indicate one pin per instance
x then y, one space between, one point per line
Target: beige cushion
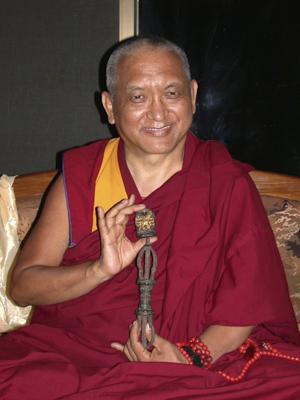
27 211
11 316
284 217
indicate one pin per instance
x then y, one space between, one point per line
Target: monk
224 324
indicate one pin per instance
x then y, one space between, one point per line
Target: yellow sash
109 187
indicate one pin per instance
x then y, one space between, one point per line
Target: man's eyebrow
131 88
172 84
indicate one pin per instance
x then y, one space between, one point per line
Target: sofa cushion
284 217
27 211
11 316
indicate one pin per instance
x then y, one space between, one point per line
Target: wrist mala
195 352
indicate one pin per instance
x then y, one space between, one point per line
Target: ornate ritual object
146 263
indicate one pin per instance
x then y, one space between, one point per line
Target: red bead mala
251 348
199 348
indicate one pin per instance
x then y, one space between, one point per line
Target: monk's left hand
163 350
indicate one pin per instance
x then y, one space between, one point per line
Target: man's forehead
146 62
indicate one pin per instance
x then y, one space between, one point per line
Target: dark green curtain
245 56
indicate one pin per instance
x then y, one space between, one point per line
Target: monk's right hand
117 251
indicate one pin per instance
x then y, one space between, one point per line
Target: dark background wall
245 56
50 52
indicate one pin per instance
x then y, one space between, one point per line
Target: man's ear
108 106
194 89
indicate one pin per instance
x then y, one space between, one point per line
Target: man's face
153 102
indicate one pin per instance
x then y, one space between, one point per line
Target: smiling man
224 323
152 105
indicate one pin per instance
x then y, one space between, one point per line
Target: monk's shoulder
223 164
229 177
84 155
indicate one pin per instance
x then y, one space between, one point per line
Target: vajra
146 263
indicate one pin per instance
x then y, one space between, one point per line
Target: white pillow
11 316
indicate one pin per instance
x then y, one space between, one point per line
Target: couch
280 195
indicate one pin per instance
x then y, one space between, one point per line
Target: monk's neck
151 172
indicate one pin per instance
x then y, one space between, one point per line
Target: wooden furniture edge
268 184
277 185
32 185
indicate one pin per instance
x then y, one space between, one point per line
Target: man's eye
173 94
137 98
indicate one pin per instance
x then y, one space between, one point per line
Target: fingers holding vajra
129 352
117 215
127 349
162 350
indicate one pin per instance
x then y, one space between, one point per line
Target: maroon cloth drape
217 264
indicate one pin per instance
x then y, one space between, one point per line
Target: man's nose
157 109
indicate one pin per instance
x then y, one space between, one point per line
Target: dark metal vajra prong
146 263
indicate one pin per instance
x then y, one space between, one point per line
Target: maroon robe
217 264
